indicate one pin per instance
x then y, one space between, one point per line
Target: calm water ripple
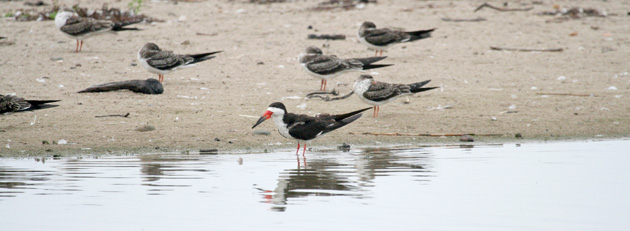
555 186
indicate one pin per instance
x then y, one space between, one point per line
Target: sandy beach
580 92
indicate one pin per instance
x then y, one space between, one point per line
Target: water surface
534 186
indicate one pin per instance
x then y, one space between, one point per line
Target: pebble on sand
466 138
145 128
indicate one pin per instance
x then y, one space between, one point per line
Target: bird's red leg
81 47
77 49
297 154
374 111
381 53
325 83
303 156
375 52
378 108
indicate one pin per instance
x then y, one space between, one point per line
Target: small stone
466 138
146 128
187 42
261 132
217 139
134 64
344 147
260 63
309 27
56 59
229 142
210 151
45 142
518 136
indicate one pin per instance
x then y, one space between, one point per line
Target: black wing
304 127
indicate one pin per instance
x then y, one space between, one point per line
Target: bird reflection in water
346 175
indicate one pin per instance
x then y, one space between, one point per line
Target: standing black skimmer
303 127
328 66
9 103
379 93
162 61
381 39
81 28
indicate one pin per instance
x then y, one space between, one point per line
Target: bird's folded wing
384 36
307 128
165 60
324 65
380 91
80 26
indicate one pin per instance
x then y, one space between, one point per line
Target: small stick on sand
114 115
318 94
409 134
569 94
526 49
478 19
501 8
327 37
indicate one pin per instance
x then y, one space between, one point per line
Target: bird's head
366 26
62 17
274 109
148 50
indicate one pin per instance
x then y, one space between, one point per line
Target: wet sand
578 93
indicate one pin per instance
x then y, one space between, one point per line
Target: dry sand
223 97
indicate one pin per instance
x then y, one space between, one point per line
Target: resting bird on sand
381 39
329 66
9 103
379 93
160 62
304 127
81 28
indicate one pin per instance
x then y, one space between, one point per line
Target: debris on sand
105 13
564 14
149 86
344 147
327 36
466 138
145 128
341 4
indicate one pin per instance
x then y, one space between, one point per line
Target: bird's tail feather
203 56
421 34
120 26
370 60
417 87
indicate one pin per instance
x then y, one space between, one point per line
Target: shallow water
533 186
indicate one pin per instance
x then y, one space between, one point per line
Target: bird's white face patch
362 86
61 17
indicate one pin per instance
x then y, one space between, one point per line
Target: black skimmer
9 103
381 39
379 93
81 28
304 127
328 66
162 61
